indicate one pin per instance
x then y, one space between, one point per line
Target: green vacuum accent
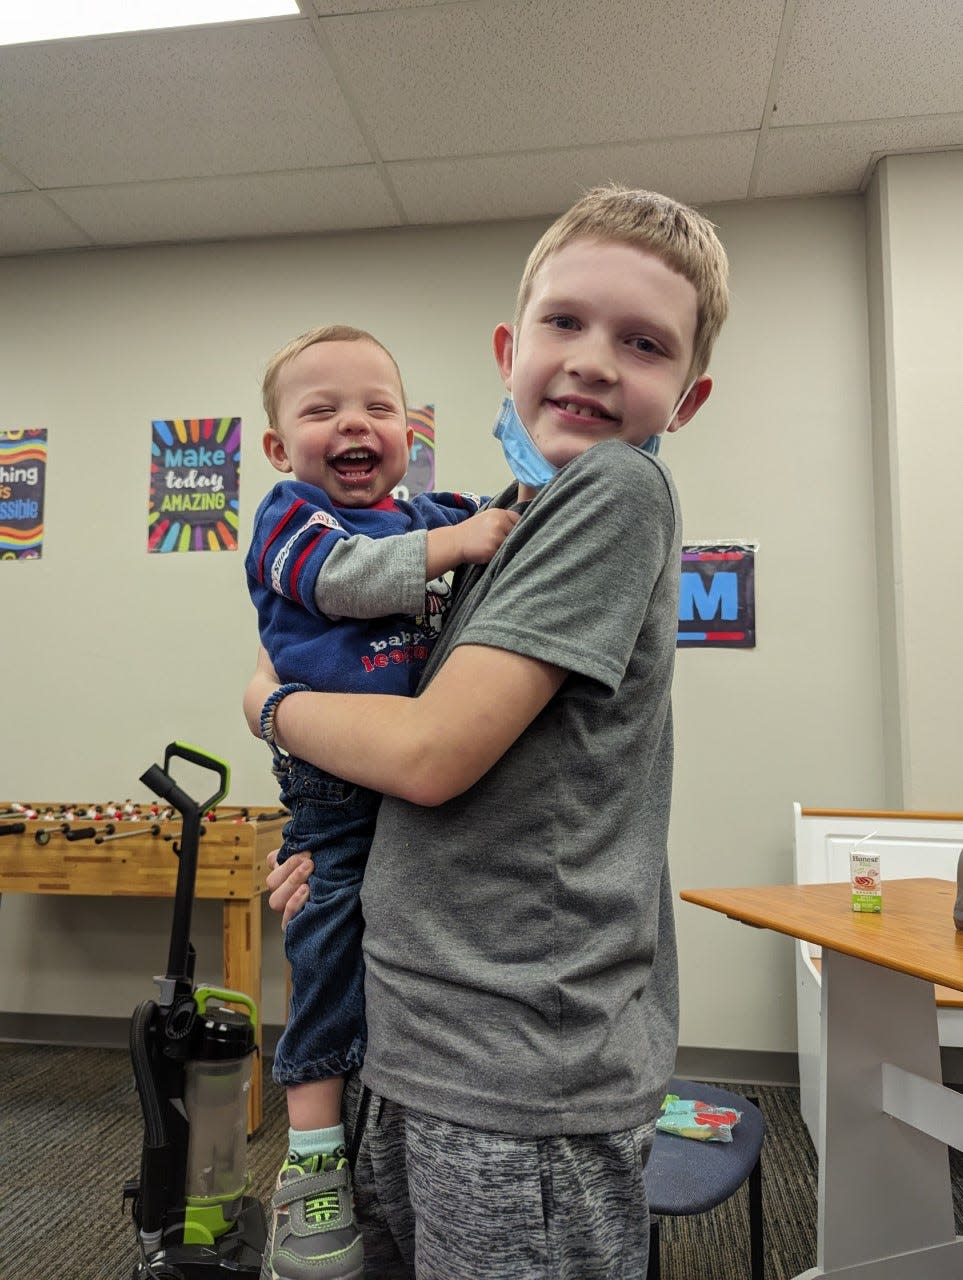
203 994
204 1217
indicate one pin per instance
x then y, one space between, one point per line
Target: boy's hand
483 533
288 884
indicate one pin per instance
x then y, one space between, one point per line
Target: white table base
885 1206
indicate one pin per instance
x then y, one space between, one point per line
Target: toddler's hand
484 533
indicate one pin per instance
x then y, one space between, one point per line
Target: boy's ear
503 344
696 397
274 450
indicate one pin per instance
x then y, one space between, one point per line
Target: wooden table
230 866
885 1207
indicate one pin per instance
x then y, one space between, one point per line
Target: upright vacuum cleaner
192 1062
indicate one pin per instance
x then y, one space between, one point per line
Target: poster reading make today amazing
194 476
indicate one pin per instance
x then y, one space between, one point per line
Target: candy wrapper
688 1118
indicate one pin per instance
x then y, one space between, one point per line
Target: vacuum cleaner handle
159 780
162 784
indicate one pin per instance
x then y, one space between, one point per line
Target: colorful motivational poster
717 597
420 476
23 470
194 473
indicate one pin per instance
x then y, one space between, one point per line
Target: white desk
885 1207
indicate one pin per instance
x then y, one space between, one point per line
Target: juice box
865 880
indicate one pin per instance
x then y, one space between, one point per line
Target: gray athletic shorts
438 1201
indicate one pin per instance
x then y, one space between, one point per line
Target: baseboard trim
752 1066
86 1032
738 1066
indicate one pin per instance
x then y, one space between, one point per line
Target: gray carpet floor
71 1132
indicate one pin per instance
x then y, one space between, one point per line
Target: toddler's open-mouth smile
355 465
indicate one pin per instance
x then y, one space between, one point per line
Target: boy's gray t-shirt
519 939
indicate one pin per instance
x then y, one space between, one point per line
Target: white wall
109 653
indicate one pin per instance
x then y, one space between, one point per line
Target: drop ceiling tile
695 170
817 159
463 79
162 104
10 180
230 208
329 8
867 60
29 223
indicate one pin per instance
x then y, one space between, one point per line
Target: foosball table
128 850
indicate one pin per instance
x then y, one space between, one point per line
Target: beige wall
110 653
915 208
781 454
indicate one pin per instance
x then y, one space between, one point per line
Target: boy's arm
426 749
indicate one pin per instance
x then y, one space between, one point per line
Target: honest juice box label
865 881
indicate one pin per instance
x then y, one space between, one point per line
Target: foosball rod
88 833
152 830
44 835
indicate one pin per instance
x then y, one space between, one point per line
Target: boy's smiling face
341 422
603 349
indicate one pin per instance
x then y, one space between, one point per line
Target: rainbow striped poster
23 470
194 476
420 476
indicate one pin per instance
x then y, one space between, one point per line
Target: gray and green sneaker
313 1235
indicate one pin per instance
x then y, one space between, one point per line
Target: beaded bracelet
269 711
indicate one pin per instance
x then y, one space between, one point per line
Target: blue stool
685 1177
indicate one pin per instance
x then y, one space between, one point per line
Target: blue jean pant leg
334 821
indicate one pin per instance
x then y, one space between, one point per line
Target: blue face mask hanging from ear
526 461
524 458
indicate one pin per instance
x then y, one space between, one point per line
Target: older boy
520 948
341 577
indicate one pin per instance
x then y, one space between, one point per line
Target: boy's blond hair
324 333
681 237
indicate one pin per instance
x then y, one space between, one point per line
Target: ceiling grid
381 113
